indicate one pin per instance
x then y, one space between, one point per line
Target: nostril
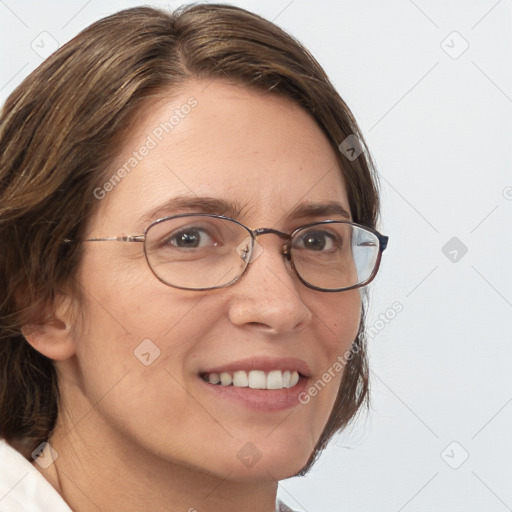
258 324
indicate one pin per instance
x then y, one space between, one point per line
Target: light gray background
439 124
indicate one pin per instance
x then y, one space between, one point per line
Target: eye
317 240
190 238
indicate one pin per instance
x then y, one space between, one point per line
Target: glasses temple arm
124 238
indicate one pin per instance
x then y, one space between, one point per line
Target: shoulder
23 488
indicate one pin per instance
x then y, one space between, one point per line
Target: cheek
339 316
130 319
338 320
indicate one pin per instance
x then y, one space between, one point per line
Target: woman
183 252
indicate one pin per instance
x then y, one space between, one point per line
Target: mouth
259 383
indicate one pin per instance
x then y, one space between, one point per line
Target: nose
269 295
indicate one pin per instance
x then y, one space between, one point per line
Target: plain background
430 83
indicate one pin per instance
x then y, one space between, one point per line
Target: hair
59 131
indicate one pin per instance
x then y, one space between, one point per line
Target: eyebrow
324 209
216 206
197 204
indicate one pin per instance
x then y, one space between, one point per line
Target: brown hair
58 132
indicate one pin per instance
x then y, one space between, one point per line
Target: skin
133 437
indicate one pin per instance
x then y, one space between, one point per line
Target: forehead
260 151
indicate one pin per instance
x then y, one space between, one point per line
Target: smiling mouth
254 379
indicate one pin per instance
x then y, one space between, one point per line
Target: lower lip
264 400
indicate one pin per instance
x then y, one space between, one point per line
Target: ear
52 337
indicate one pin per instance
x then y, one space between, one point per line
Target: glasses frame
254 234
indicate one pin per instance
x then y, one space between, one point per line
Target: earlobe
53 336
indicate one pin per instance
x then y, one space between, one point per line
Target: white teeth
214 378
255 379
240 379
274 380
225 379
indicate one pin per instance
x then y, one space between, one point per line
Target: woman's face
145 346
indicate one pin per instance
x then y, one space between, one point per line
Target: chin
267 465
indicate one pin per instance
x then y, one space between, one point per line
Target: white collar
23 488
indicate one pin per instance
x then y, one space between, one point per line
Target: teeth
214 378
240 380
255 379
275 380
225 379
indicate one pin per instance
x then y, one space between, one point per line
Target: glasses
204 252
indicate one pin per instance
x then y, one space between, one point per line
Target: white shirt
24 489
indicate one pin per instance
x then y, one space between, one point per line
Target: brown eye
190 237
316 241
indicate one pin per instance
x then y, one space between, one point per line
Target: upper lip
265 364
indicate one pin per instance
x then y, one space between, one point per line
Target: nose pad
286 251
249 250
